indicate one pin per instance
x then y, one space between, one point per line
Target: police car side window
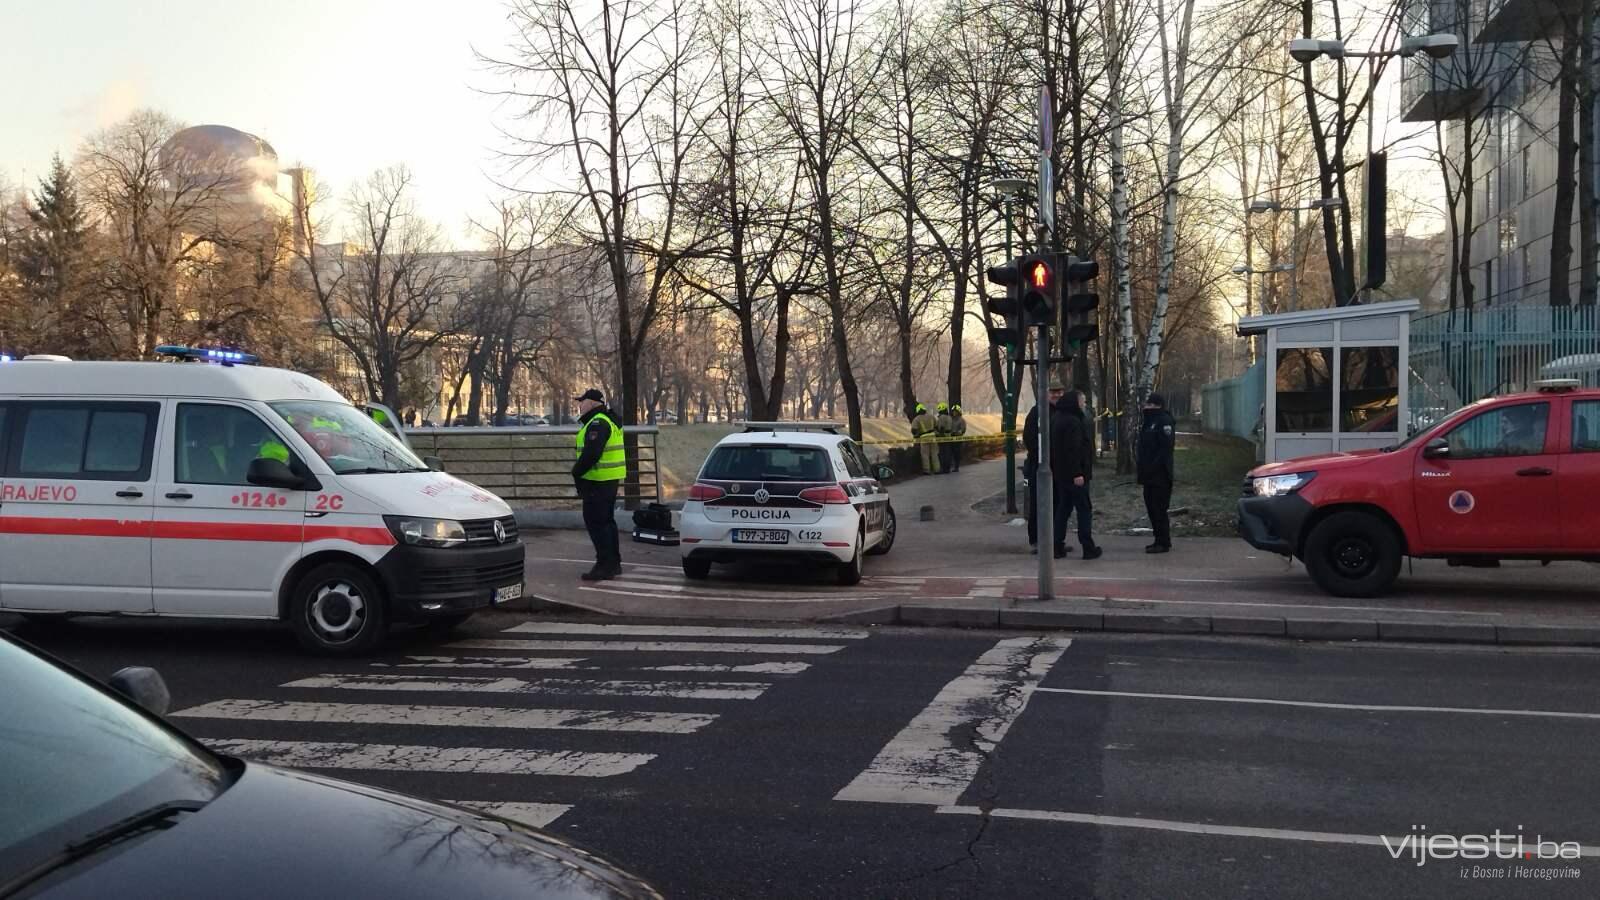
852 461
104 441
216 443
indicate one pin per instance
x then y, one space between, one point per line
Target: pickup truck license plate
760 536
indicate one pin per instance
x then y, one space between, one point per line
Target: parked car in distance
1511 477
102 798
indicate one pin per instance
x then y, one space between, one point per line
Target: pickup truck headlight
1278 485
426 532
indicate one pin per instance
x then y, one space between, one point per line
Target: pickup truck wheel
1353 554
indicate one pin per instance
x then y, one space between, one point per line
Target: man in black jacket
1157 436
1070 465
1030 466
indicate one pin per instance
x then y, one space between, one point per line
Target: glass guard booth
1336 378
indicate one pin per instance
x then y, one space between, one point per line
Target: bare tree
385 292
817 91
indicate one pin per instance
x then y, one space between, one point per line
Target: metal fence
533 465
1233 406
1458 357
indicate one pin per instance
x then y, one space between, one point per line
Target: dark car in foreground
100 798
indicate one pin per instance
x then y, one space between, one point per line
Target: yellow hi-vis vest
613 464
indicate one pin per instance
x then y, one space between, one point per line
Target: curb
1009 618
1368 630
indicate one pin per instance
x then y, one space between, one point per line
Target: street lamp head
1327 203
1241 269
1438 46
1011 187
1308 49
1260 206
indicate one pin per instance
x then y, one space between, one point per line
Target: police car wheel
697 569
850 572
339 610
885 543
1353 554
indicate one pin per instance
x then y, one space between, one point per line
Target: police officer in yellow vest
599 471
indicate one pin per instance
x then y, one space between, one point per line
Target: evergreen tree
52 251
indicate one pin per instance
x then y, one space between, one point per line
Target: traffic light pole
1044 487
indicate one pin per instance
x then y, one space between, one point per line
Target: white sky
343 86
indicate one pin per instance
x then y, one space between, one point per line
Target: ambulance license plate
760 536
508 593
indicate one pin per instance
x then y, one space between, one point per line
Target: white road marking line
537 815
766 668
1368 609
533 662
590 562
452 716
773 598
1394 842
647 586
483 662
1361 707
923 764
692 690
992 582
673 577
712 631
647 647
409 758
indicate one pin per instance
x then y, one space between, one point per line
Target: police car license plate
760 536
508 593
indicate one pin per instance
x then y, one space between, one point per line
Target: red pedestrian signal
1040 274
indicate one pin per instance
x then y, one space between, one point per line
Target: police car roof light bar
826 427
1557 385
225 356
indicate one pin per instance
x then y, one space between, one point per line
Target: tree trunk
1566 177
1122 277
1588 164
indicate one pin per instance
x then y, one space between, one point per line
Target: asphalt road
796 761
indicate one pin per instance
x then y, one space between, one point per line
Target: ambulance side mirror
274 474
1438 448
434 463
885 473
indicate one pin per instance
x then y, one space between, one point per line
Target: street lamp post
1434 46
1321 203
1010 189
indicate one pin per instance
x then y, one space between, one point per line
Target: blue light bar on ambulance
221 355
5 357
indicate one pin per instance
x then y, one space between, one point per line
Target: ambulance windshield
346 439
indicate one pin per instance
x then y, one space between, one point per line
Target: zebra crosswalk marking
410 758
450 716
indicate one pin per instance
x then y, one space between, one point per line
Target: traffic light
1008 308
1078 320
1041 289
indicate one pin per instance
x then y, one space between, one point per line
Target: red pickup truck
1511 477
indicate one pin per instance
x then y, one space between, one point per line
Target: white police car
787 492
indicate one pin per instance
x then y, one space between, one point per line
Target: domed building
242 170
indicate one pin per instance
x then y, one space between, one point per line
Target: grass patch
1210 469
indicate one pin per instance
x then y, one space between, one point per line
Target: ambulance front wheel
338 609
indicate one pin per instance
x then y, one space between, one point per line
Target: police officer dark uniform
601 467
1157 436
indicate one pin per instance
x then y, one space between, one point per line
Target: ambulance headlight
426 532
1278 485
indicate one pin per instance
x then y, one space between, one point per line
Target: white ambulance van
228 490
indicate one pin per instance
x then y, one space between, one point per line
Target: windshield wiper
157 816
369 470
